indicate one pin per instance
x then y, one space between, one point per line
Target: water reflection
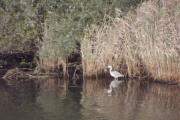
19 102
134 100
58 100
54 99
114 84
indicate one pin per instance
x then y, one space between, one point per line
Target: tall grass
52 65
144 42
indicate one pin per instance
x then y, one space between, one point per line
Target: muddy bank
14 66
16 59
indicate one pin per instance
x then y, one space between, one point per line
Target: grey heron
115 74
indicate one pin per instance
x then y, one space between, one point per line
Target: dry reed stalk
52 64
143 43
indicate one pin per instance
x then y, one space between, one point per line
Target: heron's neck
110 69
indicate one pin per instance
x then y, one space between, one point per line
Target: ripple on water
52 99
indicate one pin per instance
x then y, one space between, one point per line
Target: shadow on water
45 99
59 100
54 99
19 102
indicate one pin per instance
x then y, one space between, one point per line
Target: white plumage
115 74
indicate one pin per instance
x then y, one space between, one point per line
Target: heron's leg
110 89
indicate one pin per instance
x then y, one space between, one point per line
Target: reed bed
46 64
145 42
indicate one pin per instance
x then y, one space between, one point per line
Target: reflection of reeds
168 94
52 83
141 43
134 99
162 100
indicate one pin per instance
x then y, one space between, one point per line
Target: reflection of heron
115 74
113 84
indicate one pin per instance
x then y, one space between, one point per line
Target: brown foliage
145 42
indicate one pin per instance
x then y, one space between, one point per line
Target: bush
19 26
67 19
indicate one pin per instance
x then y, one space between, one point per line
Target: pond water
54 99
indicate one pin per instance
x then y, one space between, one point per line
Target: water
52 99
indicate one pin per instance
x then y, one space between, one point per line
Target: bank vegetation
145 42
137 37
